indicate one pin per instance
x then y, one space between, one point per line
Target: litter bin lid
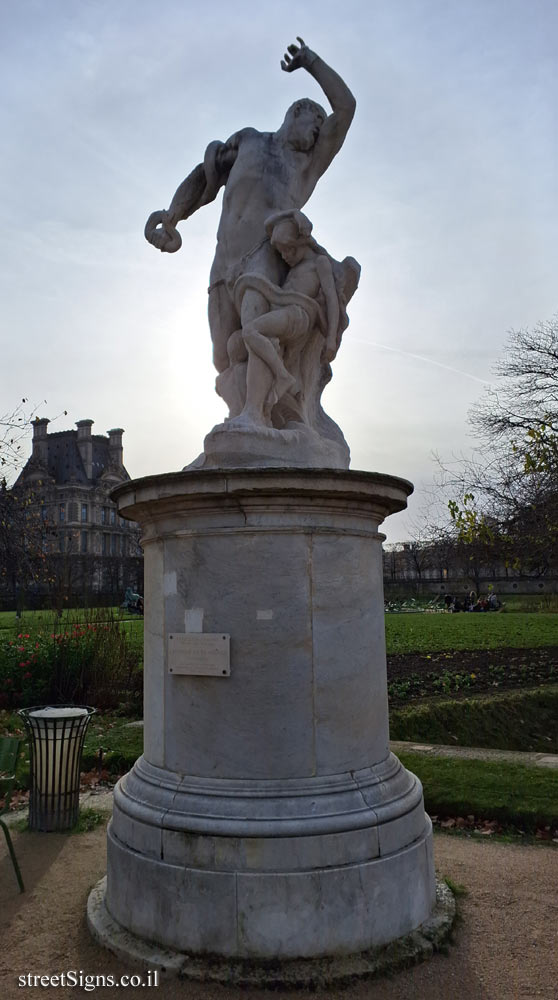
52 712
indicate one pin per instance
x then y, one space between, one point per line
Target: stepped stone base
267 820
415 947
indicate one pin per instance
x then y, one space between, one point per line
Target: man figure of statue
263 173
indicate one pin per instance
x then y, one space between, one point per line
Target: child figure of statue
282 356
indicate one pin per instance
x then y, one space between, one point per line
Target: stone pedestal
267 818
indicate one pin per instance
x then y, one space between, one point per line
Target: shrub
86 662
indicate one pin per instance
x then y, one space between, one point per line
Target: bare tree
504 499
14 428
25 533
521 414
24 542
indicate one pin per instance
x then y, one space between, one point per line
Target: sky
446 192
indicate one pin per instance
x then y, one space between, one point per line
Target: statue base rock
233 446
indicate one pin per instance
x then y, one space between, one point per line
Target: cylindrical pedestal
267 817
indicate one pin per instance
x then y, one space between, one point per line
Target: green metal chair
9 750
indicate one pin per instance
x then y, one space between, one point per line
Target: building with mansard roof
70 475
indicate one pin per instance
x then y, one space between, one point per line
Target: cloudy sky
446 191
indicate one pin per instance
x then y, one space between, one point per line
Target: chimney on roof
85 445
40 443
115 446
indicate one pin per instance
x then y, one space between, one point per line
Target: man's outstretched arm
198 189
335 128
160 228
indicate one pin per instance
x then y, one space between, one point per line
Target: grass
456 887
120 744
515 795
110 744
530 602
423 633
88 819
38 619
416 633
50 621
512 720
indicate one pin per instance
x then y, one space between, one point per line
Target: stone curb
421 944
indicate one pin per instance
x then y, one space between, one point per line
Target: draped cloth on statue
302 356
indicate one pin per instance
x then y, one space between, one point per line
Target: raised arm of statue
335 128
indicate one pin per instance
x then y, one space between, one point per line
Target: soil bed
416 675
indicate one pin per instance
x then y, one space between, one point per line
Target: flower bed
85 662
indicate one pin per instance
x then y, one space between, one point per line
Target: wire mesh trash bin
56 736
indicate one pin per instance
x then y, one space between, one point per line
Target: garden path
506 945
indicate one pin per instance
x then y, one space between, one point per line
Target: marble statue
266 173
267 813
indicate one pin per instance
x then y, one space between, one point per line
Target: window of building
122 545
106 544
113 541
103 515
61 542
113 516
62 513
43 512
83 512
83 544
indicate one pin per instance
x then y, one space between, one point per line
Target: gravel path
506 947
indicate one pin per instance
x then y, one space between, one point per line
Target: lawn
37 620
412 633
513 720
429 633
440 651
49 622
514 794
415 633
